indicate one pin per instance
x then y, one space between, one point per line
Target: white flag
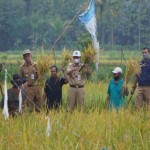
48 128
5 108
89 20
20 101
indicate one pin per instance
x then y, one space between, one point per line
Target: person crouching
13 94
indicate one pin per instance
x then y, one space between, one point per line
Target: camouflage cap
26 51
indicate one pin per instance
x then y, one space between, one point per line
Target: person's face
76 59
145 51
27 58
116 76
145 54
53 72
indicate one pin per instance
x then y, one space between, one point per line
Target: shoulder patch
70 64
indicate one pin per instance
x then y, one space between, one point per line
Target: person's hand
76 69
24 85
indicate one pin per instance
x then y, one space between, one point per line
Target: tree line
31 23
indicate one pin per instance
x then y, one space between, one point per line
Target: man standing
53 89
116 90
76 81
28 71
13 94
143 80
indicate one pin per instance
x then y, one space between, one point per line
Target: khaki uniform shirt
29 72
76 78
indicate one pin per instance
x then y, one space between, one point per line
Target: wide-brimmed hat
117 70
16 80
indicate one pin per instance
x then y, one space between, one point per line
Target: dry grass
78 130
66 57
95 128
43 63
89 54
132 68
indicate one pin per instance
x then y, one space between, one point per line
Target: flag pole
65 29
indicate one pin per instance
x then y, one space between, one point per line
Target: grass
93 128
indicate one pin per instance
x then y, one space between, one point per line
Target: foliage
29 23
66 57
79 130
92 128
132 68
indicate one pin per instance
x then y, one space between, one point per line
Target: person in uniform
28 72
76 77
53 89
13 94
143 80
116 91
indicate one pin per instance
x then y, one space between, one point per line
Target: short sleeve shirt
117 99
76 78
29 72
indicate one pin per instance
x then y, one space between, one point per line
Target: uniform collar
117 81
32 63
75 64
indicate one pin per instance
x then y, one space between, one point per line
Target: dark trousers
53 104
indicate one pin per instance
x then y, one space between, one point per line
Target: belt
30 85
77 86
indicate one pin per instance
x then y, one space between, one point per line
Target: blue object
104 148
144 77
88 14
117 99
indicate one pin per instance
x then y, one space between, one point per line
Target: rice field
94 128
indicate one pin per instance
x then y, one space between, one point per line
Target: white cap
26 51
77 53
117 70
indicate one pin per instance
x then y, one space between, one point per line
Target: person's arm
70 71
65 76
23 78
126 90
44 98
108 98
46 89
88 70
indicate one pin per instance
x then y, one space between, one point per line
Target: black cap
16 80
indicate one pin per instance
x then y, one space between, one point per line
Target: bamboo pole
65 29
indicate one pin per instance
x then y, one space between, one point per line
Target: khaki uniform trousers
75 98
143 95
34 98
